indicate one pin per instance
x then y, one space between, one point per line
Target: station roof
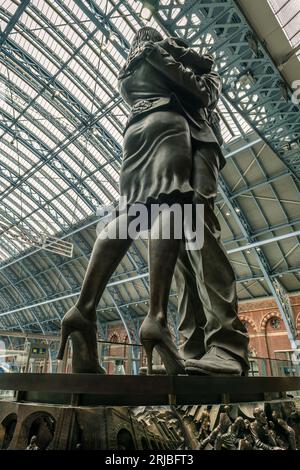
61 124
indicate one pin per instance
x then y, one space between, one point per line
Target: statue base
85 411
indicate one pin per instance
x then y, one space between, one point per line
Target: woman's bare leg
79 322
154 332
163 255
106 255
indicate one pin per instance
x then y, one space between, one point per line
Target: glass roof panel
57 100
287 13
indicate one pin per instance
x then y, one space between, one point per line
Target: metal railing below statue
123 358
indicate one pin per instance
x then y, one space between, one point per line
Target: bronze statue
242 434
286 431
204 426
246 443
156 167
262 434
171 155
234 439
33 444
215 438
213 338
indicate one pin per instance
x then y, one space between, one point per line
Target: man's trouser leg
191 314
215 277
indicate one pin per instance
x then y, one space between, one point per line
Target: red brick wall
257 315
117 334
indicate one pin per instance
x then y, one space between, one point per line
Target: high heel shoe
154 335
83 333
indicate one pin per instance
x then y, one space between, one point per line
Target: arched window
275 323
252 352
114 338
7 430
125 440
41 425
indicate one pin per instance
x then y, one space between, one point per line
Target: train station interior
62 122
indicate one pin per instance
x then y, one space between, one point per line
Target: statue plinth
119 390
90 411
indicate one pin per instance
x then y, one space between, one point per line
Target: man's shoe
216 361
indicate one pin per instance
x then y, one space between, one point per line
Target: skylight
54 75
287 13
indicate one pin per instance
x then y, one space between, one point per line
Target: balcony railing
128 359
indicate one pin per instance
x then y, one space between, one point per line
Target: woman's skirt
157 159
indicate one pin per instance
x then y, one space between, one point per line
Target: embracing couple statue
171 156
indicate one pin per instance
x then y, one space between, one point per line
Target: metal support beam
259 184
40 336
273 284
98 17
222 29
235 54
13 21
50 155
232 153
264 242
255 278
145 275
69 296
130 279
33 252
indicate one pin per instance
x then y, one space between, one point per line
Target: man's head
239 424
260 416
276 415
247 423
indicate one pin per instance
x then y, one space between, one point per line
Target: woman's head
143 35
146 34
